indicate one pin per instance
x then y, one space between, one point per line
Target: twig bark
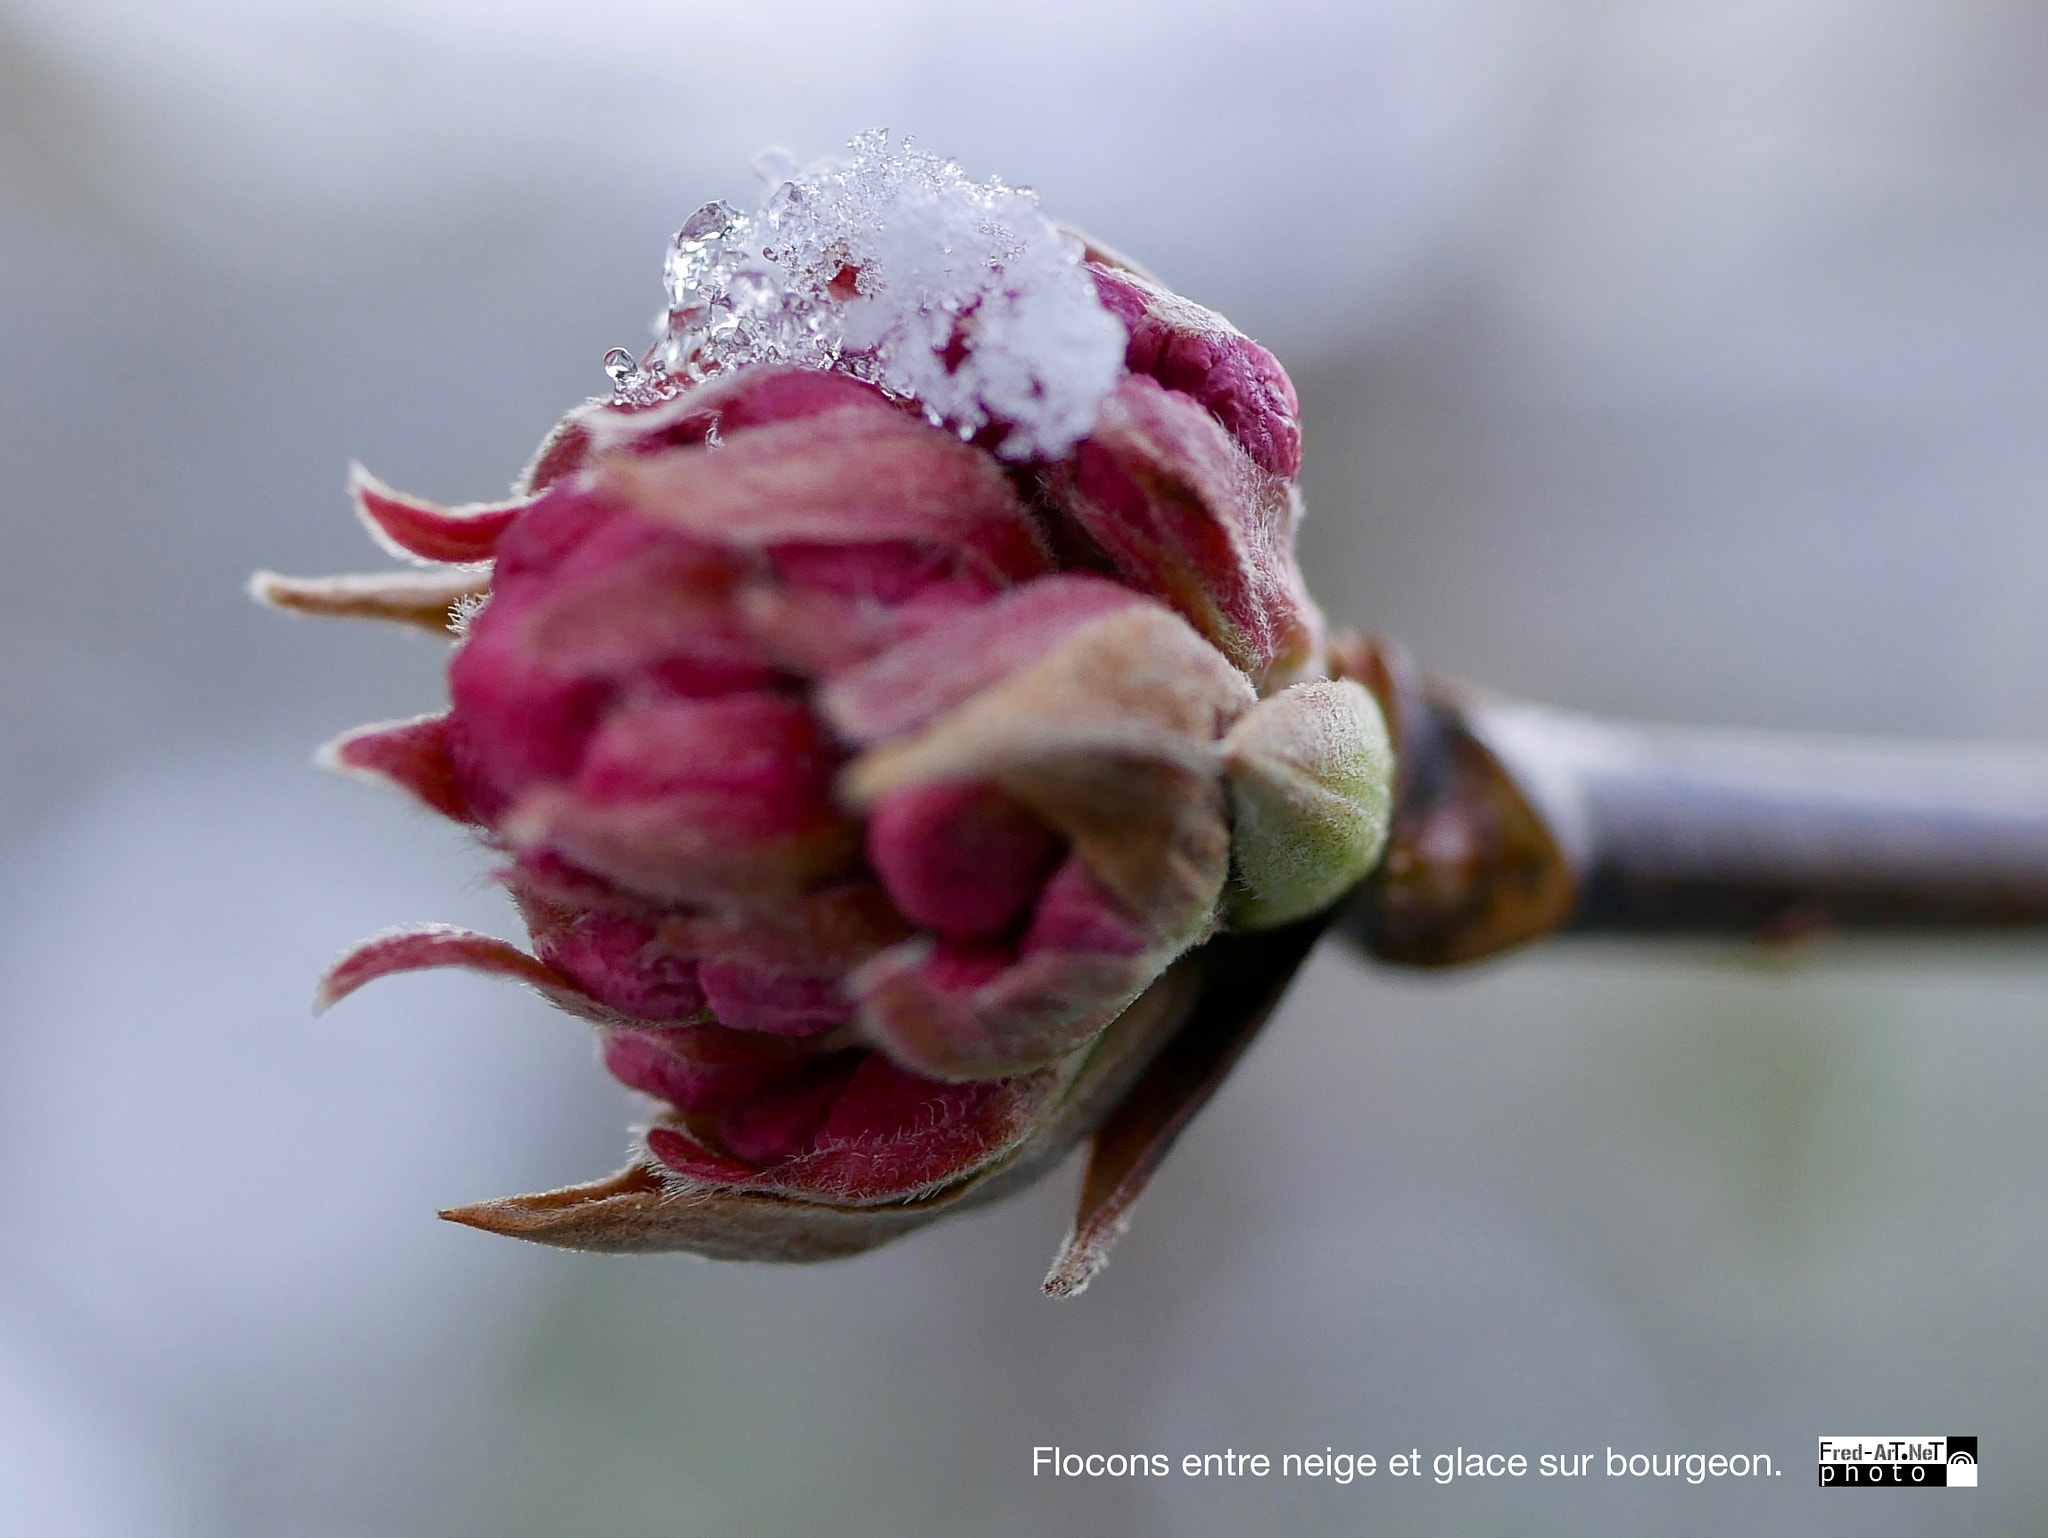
1514 821
1676 831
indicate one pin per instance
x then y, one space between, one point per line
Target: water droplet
637 382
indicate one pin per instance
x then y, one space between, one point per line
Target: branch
1690 831
1514 821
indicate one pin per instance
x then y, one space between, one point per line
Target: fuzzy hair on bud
1311 775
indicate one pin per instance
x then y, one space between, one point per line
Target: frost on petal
1182 512
1311 775
413 527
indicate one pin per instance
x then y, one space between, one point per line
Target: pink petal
889 1136
686 1156
627 606
620 962
515 722
413 526
1201 355
553 527
783 1120
543 877
410 755
699 1067
729 404
1078 914
819 634
755 998
674 849
892 1133
913 684
562 453
748 765
686 800
961 859
967 1012
883 1103
963 966
885 573
1170 498
421 947
821 932
848 477
630 596
982 1010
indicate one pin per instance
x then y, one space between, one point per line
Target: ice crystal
890 265
635 385
462 611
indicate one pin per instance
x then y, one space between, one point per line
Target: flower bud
1311 790
861 776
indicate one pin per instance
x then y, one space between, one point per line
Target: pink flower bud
856 783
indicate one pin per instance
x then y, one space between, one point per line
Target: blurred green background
1680 362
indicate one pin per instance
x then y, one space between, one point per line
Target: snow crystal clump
890 265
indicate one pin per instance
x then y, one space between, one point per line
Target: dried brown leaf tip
879 703
1471 867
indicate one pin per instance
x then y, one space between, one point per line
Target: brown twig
1514 821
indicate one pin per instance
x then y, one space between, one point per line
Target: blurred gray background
1679 361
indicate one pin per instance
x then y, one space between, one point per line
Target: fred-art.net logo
1898 1463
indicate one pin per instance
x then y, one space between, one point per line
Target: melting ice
890 265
